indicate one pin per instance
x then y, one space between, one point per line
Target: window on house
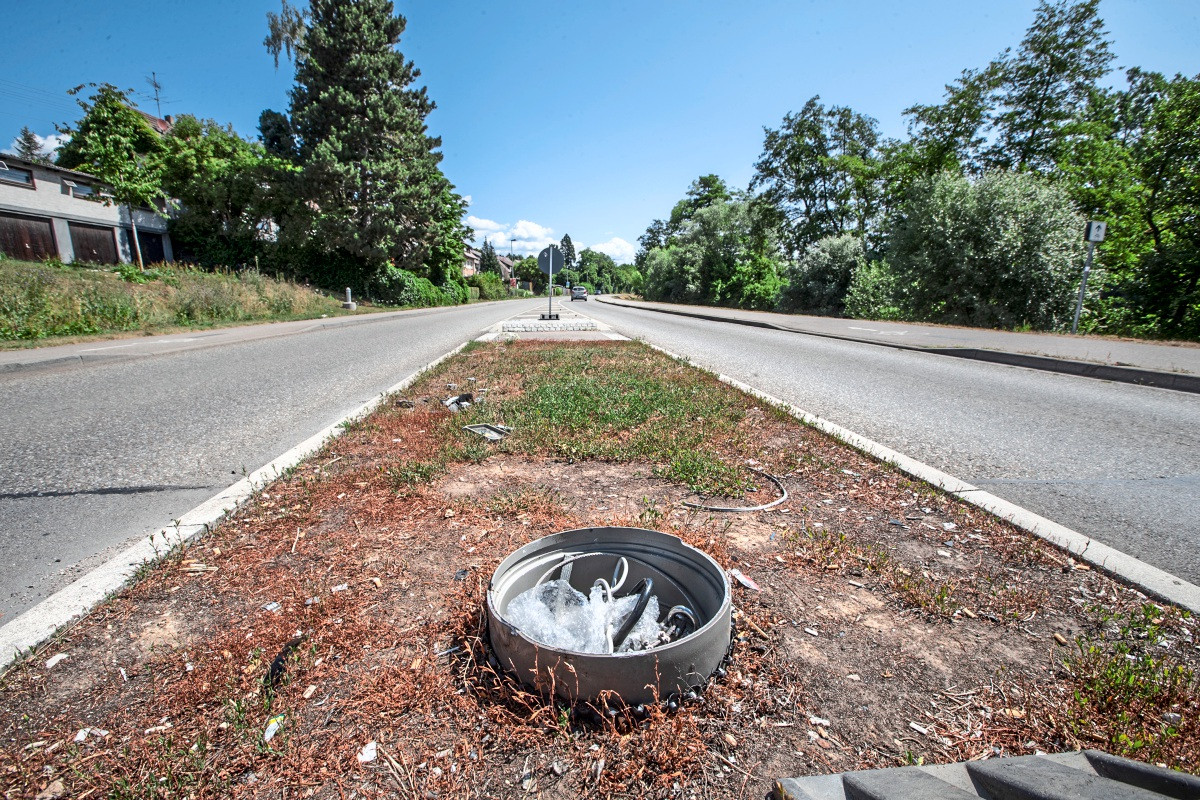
79 189
9 174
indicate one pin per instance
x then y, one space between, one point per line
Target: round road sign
551 260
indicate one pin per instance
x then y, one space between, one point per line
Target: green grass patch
1131 689
46 300
612 401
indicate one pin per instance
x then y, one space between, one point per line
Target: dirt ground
342 607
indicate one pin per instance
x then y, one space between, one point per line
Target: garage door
93 243
152 248
29 238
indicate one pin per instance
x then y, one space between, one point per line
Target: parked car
578 293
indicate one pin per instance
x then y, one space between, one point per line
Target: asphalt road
95 455
1117 462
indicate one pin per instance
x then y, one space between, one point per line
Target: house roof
8 158
160 126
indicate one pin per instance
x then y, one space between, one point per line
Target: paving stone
1091 775
1036 778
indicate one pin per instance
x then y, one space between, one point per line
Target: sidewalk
1168 366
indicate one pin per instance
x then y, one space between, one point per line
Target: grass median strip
894 624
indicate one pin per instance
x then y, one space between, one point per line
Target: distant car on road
578 293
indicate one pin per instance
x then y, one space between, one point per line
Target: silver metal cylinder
682 575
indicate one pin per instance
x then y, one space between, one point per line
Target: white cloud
618 249
467 199
524 237
485 226
524 229
53 141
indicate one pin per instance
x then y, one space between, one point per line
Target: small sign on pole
550 260
1093 234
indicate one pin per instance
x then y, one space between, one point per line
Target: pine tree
488 260
370 170
29 146
568 248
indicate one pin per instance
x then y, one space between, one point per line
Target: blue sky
586 118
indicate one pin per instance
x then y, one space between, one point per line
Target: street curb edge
36 625
1145 577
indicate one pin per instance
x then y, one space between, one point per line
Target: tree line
591 268
977 216
342 189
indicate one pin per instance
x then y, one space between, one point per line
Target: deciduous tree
228 191
818 172
1048 82
114 142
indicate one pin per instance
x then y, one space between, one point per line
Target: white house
51 212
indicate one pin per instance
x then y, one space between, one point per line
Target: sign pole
550 291
1083 286
1092 234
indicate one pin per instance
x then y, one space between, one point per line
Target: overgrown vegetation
977 217
41 300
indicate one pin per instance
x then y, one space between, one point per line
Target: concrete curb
36 625
1147 578
1179 382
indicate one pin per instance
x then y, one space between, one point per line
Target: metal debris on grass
493 433
459 402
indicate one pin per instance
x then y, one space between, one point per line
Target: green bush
872 292
398 287
818 282
489 284
1003 251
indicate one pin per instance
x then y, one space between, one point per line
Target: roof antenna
157 87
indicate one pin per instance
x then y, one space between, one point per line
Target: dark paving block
1166 782
904 783
1034 778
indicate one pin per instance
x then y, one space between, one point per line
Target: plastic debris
272 606
557 614
54 660
273 726
367 754
744 580
84 733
